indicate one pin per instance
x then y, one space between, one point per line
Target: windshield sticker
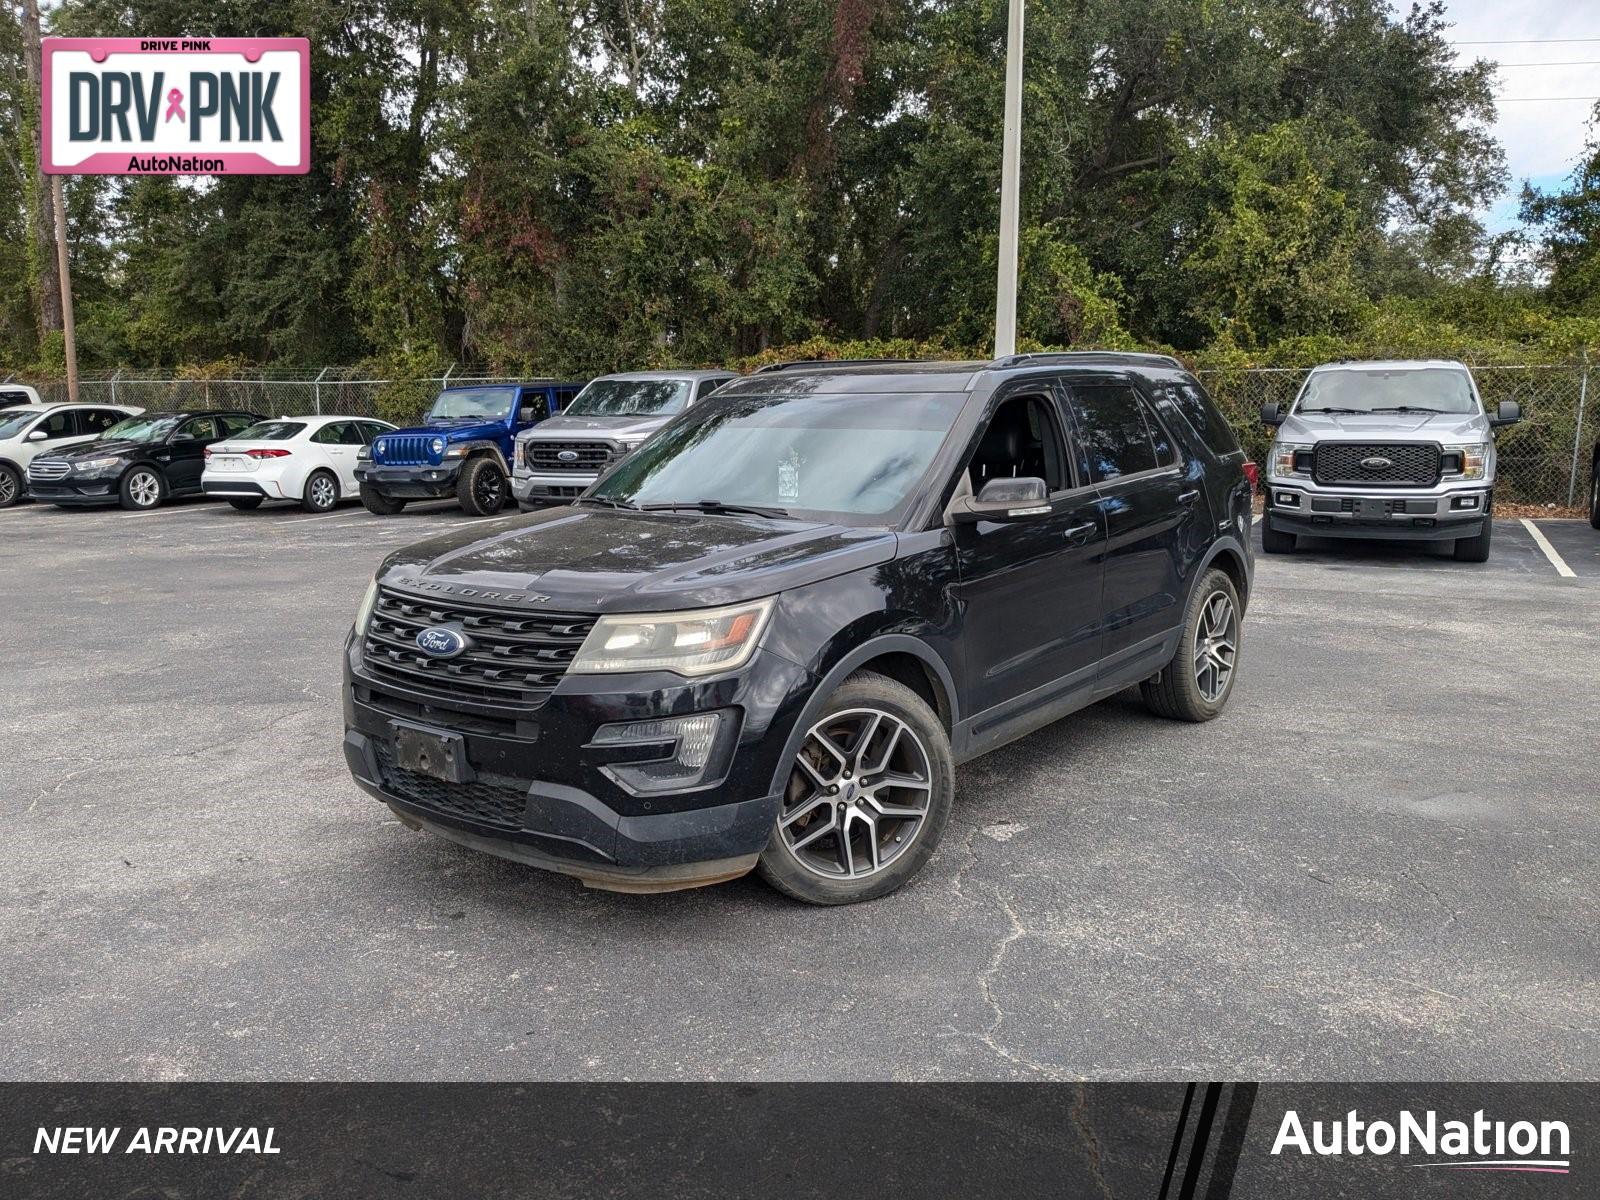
789 477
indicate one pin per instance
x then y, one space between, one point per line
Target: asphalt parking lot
1379 864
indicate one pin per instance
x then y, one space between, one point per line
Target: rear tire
245 503
892 779
482 488
1196 684
321 494
11 487
1476 549
379 504
1273 541
142 489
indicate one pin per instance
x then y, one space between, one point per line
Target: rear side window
331 435
1202 414
234 423
98 420
1112 430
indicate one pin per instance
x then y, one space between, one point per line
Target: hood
1393 427
454 431
565 425
605 560
98 449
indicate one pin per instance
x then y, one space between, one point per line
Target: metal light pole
1005 302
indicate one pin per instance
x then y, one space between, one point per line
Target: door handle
1081 533
1189 497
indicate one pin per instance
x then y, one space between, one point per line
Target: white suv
30 429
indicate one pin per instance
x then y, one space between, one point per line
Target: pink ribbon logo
175 105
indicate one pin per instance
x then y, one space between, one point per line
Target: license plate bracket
1372 508
432 752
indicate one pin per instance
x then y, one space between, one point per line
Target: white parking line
1556 561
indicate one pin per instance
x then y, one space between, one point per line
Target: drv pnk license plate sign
176 106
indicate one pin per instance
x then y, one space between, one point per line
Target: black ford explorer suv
765 639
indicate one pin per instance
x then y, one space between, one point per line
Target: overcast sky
1542 138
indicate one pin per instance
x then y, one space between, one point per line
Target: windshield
14 420
476 404
852 459
142 429
270 431
1439 389
631 398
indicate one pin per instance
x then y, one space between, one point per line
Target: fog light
1464 502
1288 499
674 752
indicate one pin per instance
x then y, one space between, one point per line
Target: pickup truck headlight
1283 459
1472 457
97 464
630 446
364 613
702 642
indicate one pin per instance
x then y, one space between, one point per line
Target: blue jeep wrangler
463 448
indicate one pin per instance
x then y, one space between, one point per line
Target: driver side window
196 429
1023 439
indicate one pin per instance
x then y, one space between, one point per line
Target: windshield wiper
1353 412
608 502
717 506
1408 408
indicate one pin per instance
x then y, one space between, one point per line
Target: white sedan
308 459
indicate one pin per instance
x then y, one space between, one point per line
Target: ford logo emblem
439 642
1376 463
567 456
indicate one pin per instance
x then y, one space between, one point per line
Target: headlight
97 464
1473 457
1283 458
702 642
364 454
364 613
437 445
630 447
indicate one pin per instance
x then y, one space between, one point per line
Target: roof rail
1071 356
831 362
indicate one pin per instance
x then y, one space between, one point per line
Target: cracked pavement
1380 863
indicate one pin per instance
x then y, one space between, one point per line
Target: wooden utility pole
42 214
69 335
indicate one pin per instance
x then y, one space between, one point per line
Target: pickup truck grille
402 449
513 662
1403 464
48 470
588 457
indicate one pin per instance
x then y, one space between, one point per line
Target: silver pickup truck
558 459
1393 450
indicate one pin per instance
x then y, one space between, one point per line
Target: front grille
588 457
48 470
1409 464
483 801
514 659
402 449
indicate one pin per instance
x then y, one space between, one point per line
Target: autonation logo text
1476 1145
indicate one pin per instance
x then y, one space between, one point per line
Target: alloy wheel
858 796
488 489
145 489
1216 646
8 488
322 492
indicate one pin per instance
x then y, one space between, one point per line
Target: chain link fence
1543 460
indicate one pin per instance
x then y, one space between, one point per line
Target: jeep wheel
867 799
1274 542
482 487
1196 684
1476 549
321 493
245 503
10 485
1594 492
142 489
379 504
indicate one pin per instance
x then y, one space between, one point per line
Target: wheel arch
1228 556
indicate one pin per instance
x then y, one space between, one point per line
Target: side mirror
1023 499
1509 412
38 435
1271 413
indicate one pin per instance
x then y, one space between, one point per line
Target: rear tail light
1253 473
266 454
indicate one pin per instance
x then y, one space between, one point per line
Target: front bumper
1398 514
539 792
76 490
550 487
425 482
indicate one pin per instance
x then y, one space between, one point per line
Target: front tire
1594 492
245 503
867 799
142 489
321 494
482 489
10 485
1476 549
1196 684
379 504
1273 541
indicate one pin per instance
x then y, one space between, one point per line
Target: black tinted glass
1112 430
